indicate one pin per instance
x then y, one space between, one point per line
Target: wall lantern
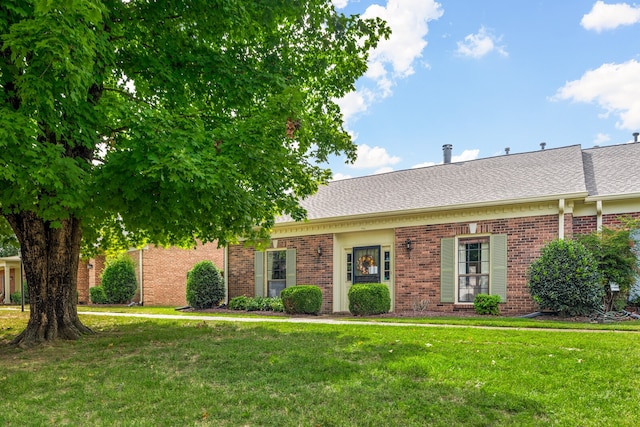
89 266
319 251
408 244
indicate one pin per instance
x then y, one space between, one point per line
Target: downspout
225 263
141 277
561 219
599 215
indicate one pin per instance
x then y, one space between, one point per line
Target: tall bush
119 280
566 279
369 298
205 287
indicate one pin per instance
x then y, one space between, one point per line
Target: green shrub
119 280
239 303
275 304
487 304
369 298
97 295
613 250
256 304
16 297
302 299
566 279
205 286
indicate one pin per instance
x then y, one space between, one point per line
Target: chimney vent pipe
635 136
506 150
542 145
446 151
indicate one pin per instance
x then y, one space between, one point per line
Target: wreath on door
364 262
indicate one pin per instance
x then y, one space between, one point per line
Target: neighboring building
10 278
161 273
439 235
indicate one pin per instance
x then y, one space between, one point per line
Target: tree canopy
172 121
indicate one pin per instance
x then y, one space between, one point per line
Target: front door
366 264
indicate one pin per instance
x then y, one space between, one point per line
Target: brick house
439 235
161 273
10 278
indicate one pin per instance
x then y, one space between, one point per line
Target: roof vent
635 136
542 145
506 150
446 151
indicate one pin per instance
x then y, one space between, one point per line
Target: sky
484 75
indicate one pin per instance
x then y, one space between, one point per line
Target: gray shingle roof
613 170
543 174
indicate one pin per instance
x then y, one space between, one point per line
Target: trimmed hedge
369 298
205 286
302 299
97 295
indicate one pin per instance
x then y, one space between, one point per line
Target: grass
151 372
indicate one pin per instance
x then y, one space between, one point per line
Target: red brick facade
417 272
164 273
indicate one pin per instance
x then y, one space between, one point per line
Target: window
387 265
473 268
274 271
472 265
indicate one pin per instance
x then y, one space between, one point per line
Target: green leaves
170 120
566 279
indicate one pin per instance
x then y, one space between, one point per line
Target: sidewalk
330 321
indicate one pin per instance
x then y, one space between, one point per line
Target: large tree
168 121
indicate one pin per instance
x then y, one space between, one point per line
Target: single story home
439 235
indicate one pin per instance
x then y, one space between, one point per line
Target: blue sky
483 75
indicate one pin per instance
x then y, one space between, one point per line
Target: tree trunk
50 256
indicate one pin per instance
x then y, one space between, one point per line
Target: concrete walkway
330 321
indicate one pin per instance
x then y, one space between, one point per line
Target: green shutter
498 276
258 271
291 267
447 270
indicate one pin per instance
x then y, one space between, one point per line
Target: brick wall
164 273
418 277
311 268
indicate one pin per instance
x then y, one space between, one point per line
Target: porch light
319 251
407 244
89 266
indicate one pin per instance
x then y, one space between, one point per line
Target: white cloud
610 16
614 87
385 169
340 4
481 44
373 157
465 156
601 138
423 165
338 176
394 58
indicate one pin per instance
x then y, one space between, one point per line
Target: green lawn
148 372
